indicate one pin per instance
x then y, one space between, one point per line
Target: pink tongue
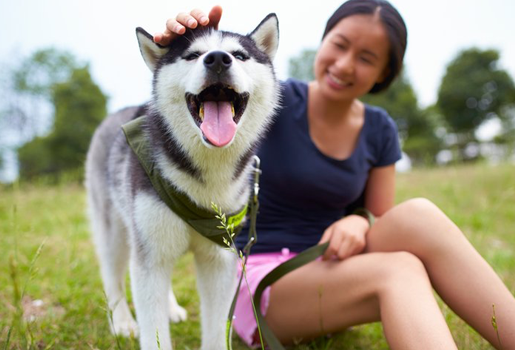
218 126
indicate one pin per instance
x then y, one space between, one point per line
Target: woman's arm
347 236
380 190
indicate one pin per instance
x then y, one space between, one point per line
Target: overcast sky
101 32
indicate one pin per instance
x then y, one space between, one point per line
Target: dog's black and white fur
203 69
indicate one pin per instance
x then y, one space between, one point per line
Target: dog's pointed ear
266 35
150 51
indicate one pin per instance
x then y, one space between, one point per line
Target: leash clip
257 172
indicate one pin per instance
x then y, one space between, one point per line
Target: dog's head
222 82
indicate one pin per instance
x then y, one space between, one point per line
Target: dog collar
200 219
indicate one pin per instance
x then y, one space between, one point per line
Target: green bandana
202 220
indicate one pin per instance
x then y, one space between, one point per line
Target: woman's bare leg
328 296
458 273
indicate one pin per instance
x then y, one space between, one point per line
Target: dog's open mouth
217 111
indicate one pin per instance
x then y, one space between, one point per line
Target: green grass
65 275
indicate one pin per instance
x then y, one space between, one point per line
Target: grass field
51 294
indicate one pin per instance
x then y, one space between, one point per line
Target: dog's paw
126 328
178 313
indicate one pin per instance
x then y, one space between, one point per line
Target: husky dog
214 94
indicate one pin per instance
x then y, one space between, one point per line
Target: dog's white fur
131 224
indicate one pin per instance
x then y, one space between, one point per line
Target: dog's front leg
216 282
150 285
158 240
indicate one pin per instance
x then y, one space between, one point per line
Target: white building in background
486 148
403 165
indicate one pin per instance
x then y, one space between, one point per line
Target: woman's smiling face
353 57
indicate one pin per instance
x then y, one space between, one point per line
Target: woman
326 152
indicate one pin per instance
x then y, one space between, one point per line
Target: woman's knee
416 225
407 217
416 208
400 270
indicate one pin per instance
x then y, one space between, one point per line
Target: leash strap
252 239
367 214
301 259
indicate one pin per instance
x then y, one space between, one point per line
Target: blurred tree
38 73
29 91
473 90
34 158
301 66
79 106
507 135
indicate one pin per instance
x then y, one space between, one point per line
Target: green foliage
35 158
301 66
2 161
53 107
28 111
66 276
38 73
507 134
473 90
80 105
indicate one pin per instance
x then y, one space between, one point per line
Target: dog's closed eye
192 56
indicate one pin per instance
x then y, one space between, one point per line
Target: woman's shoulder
293 83
379 118
382 136
294 89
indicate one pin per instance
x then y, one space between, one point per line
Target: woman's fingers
351 245
214 16
172 29
178 25
344 250
343 242
190 20
335 241
326 237
200 17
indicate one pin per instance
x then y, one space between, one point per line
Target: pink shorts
258 266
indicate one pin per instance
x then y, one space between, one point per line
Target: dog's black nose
217 61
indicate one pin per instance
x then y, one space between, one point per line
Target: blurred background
66 64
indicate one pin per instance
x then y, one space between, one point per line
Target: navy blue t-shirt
302 190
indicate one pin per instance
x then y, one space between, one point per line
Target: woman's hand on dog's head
177 26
